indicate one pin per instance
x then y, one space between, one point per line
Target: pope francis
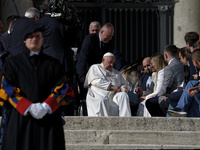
106 90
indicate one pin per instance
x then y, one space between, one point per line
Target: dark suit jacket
120 62
17 34
56 42
4 39
55 35
91 53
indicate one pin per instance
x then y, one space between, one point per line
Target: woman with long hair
132 76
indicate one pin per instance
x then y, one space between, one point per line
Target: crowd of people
41 79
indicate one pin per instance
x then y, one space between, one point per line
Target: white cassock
100 101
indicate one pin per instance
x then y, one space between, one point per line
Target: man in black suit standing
93 48
16 39
4 38
56 42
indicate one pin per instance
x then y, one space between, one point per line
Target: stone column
13 7
186 19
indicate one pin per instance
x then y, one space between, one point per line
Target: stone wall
186 19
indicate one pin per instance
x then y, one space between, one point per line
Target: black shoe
177 112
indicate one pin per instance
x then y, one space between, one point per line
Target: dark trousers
154 107
172 100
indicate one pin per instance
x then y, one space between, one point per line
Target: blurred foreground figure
33 87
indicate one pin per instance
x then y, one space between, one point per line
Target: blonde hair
159 61
131 74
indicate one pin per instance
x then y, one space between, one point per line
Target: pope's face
108 62
34 41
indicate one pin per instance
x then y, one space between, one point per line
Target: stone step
132 123
131 133
126 146
132 137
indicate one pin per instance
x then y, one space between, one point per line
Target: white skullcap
108 54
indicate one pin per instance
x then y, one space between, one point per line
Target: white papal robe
99 100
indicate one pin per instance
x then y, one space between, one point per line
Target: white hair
95 23
32 12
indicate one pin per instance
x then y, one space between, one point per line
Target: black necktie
102 44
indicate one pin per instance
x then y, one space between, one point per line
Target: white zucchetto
108 54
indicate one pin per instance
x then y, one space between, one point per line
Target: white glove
37 110
47 107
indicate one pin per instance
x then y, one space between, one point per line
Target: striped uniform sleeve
12 94
58 96
3 95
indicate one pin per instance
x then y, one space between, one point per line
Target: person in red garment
33 87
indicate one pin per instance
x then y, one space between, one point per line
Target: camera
60 10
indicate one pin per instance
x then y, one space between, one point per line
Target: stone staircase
111 133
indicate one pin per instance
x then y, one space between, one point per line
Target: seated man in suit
146 86
173 77
189 102
106 90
